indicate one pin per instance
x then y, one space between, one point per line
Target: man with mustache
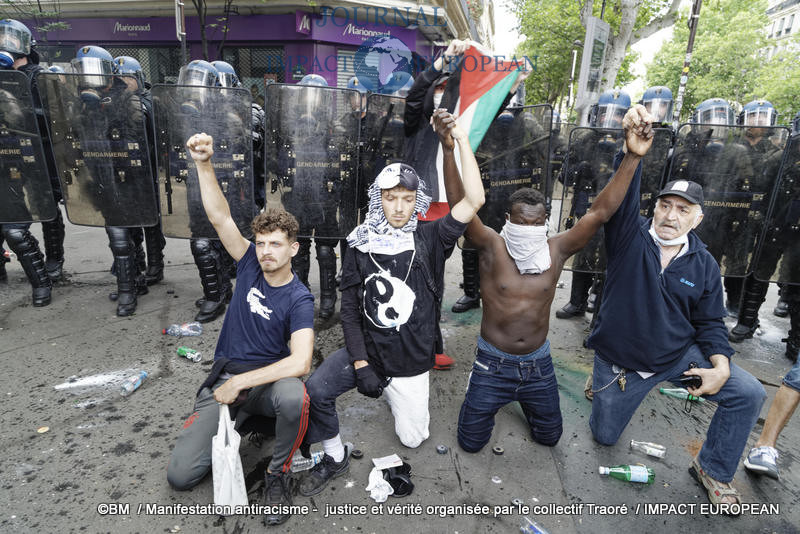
663 310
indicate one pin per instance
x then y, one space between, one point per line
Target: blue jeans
792 378
498 378
738 405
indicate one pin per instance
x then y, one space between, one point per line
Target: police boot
53 233
154 243
782 307
208 265
579 294
228 265
754 293
301 263
733 288
327 281
472 282
793 340
124 251
25 246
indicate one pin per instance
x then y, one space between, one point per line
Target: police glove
369 383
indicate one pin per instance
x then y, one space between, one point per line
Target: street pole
694 19
571 102
180 25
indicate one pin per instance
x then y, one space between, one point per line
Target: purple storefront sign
260 28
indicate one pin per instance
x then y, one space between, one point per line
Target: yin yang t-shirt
398 305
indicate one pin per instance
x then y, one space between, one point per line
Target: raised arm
219 213
443 124
472 197
638 138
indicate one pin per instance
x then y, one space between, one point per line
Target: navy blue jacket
649 318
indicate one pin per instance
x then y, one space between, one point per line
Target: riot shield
654 169
514 153
730 162
312 156
778 254
25 191
224 114
587 168
382 142
100 146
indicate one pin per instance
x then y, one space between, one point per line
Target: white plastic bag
226 465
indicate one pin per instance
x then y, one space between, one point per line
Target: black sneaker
277 494
319 475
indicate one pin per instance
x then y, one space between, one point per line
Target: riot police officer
757 115
589 173
17 51
152 236
100 88
321 187
210 257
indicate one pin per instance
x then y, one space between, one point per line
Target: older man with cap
390 299
662 311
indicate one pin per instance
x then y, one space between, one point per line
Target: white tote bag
226 465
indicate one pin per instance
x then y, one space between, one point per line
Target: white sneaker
763 460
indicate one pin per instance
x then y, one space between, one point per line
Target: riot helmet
227 75
200 73
611 108
97 67
357 101
129 65
713 111
313 79
758 113
15 42
56 69
658 103
398 85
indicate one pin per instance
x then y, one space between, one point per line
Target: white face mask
437 100
528 246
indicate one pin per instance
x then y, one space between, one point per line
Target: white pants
408 398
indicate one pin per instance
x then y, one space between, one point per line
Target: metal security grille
255 66
345 66
160 64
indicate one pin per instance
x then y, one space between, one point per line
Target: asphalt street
81 458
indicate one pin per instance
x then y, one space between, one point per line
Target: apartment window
771 30
780 27
788 28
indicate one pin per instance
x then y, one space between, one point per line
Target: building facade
277 41
783 26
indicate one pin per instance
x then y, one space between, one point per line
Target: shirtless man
519 269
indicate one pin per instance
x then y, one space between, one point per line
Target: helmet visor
228 79
660 109
759 117
722 115
610 116
192 76
14 40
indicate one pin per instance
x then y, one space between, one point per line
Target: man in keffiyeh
391 293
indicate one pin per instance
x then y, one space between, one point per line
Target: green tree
779 81
552 26
45 15
728 59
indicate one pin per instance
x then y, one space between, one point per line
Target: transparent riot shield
25 191
312 157
778 254
730 162
382 141
588 166
514 154
97 127
225 115
654 169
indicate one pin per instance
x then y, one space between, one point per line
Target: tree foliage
45 15
728 59
210 25
551 27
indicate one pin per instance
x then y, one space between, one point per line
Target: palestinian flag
479 86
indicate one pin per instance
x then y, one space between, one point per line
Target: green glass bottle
630 473
680 393
190 354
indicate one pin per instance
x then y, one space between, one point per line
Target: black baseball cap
398 174
691 191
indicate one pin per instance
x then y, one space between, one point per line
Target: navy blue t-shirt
261 319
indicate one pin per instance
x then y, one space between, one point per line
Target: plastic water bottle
185 329
652 449
529 526
190 354
301 463
630 473
132 383
680 393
